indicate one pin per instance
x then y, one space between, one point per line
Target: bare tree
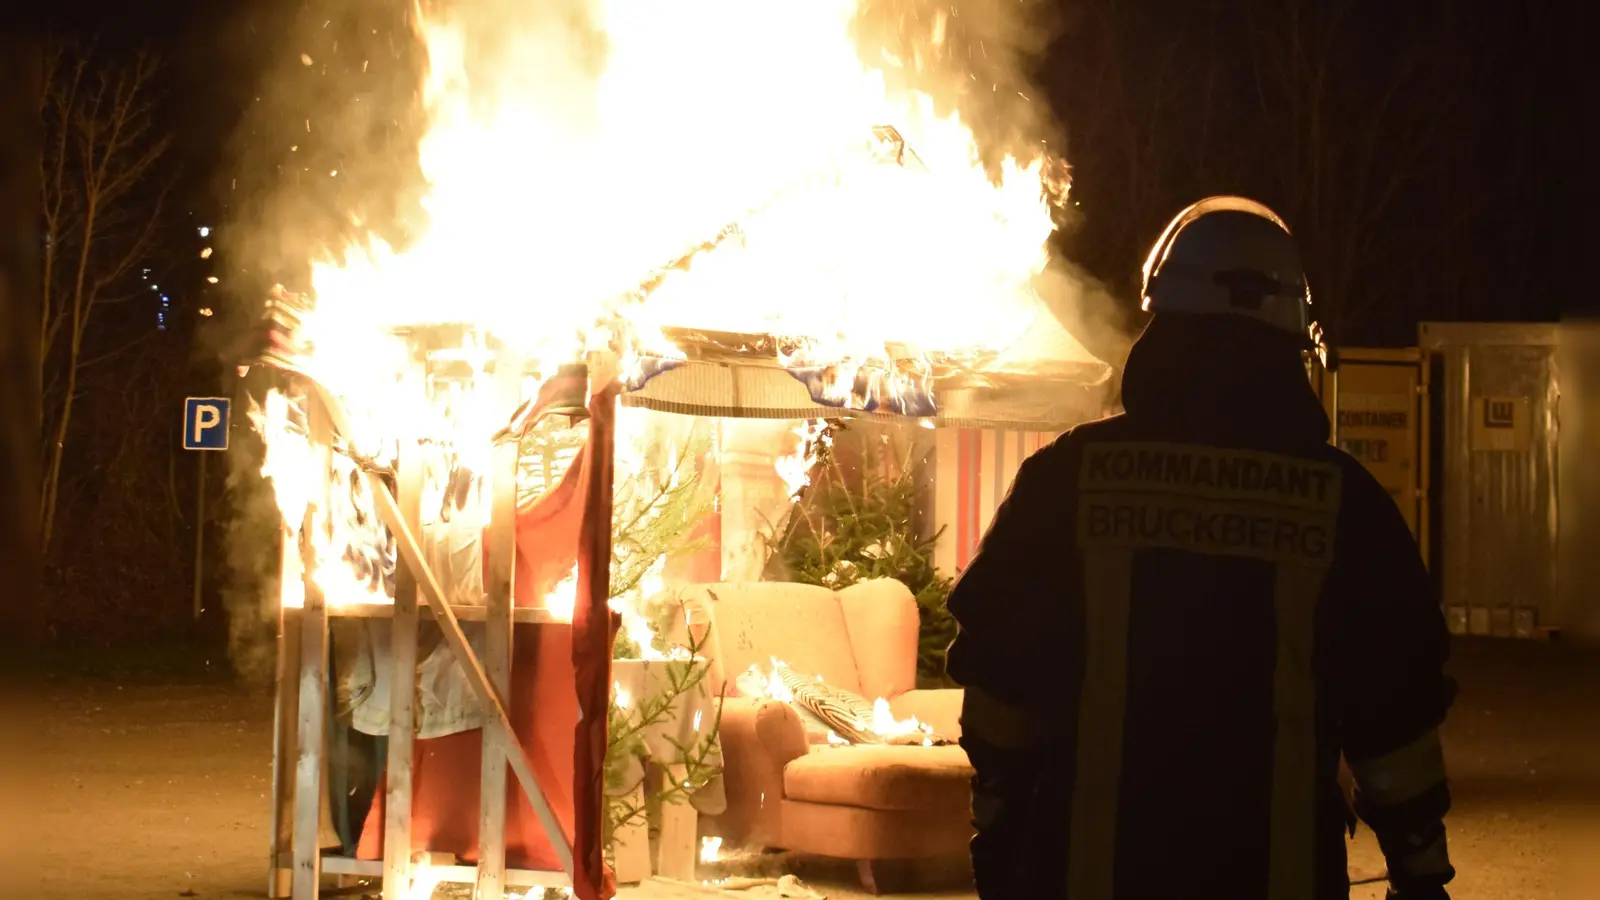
102 203
1146 98
1340 114
19 310
1355 132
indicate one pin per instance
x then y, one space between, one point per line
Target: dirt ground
160 791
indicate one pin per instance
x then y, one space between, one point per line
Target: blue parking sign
205 423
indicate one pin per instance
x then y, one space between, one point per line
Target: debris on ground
742 884
790 886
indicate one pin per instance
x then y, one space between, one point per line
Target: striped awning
1066 395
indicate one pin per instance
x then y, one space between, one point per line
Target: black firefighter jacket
1177 621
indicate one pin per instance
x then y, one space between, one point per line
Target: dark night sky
1516 149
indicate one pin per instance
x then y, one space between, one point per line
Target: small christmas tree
657 502
855 524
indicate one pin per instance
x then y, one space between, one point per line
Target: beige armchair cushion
881 617
753 622
880 776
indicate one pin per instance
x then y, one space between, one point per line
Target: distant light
211 278
155 287
206 312
926 423
305 59
205 231
206 253
334 174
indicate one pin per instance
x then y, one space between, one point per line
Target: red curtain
560 691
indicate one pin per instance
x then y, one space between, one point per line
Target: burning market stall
435 445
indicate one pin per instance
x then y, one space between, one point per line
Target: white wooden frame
297 864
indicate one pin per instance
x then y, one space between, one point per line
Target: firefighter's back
1203 567
1182 615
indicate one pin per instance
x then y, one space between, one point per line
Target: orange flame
594 179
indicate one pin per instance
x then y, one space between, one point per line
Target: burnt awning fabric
1058 398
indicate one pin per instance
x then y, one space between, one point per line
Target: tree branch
112 354
102 149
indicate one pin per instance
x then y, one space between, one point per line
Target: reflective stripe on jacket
1199 630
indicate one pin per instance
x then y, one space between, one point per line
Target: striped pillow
849 714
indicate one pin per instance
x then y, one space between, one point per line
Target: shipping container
1498 442
1578 481
1377 401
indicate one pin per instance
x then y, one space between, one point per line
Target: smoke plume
974 57
977 58
324 152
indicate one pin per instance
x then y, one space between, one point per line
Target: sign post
205 427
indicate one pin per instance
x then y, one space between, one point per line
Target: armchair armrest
939 708
759 738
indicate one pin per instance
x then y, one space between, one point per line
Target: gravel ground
160 791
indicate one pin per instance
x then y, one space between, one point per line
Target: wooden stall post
308 798
502 550
285 722
307 828
402 690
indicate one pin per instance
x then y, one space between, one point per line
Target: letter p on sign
205 423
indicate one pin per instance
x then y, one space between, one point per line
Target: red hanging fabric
446 771
549 534
594 632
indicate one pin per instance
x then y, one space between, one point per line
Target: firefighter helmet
1233 256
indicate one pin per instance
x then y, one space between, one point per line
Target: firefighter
1182 616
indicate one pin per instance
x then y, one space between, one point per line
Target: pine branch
626 742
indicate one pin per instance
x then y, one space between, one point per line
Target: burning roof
999 360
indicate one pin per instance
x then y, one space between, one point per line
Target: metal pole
199 532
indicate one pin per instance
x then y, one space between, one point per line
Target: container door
1500 525
1380 424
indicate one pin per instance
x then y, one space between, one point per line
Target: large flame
601 170
570 168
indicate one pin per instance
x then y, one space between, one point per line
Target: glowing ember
774 689
424 881
883 724
795 468
710 849
563 599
